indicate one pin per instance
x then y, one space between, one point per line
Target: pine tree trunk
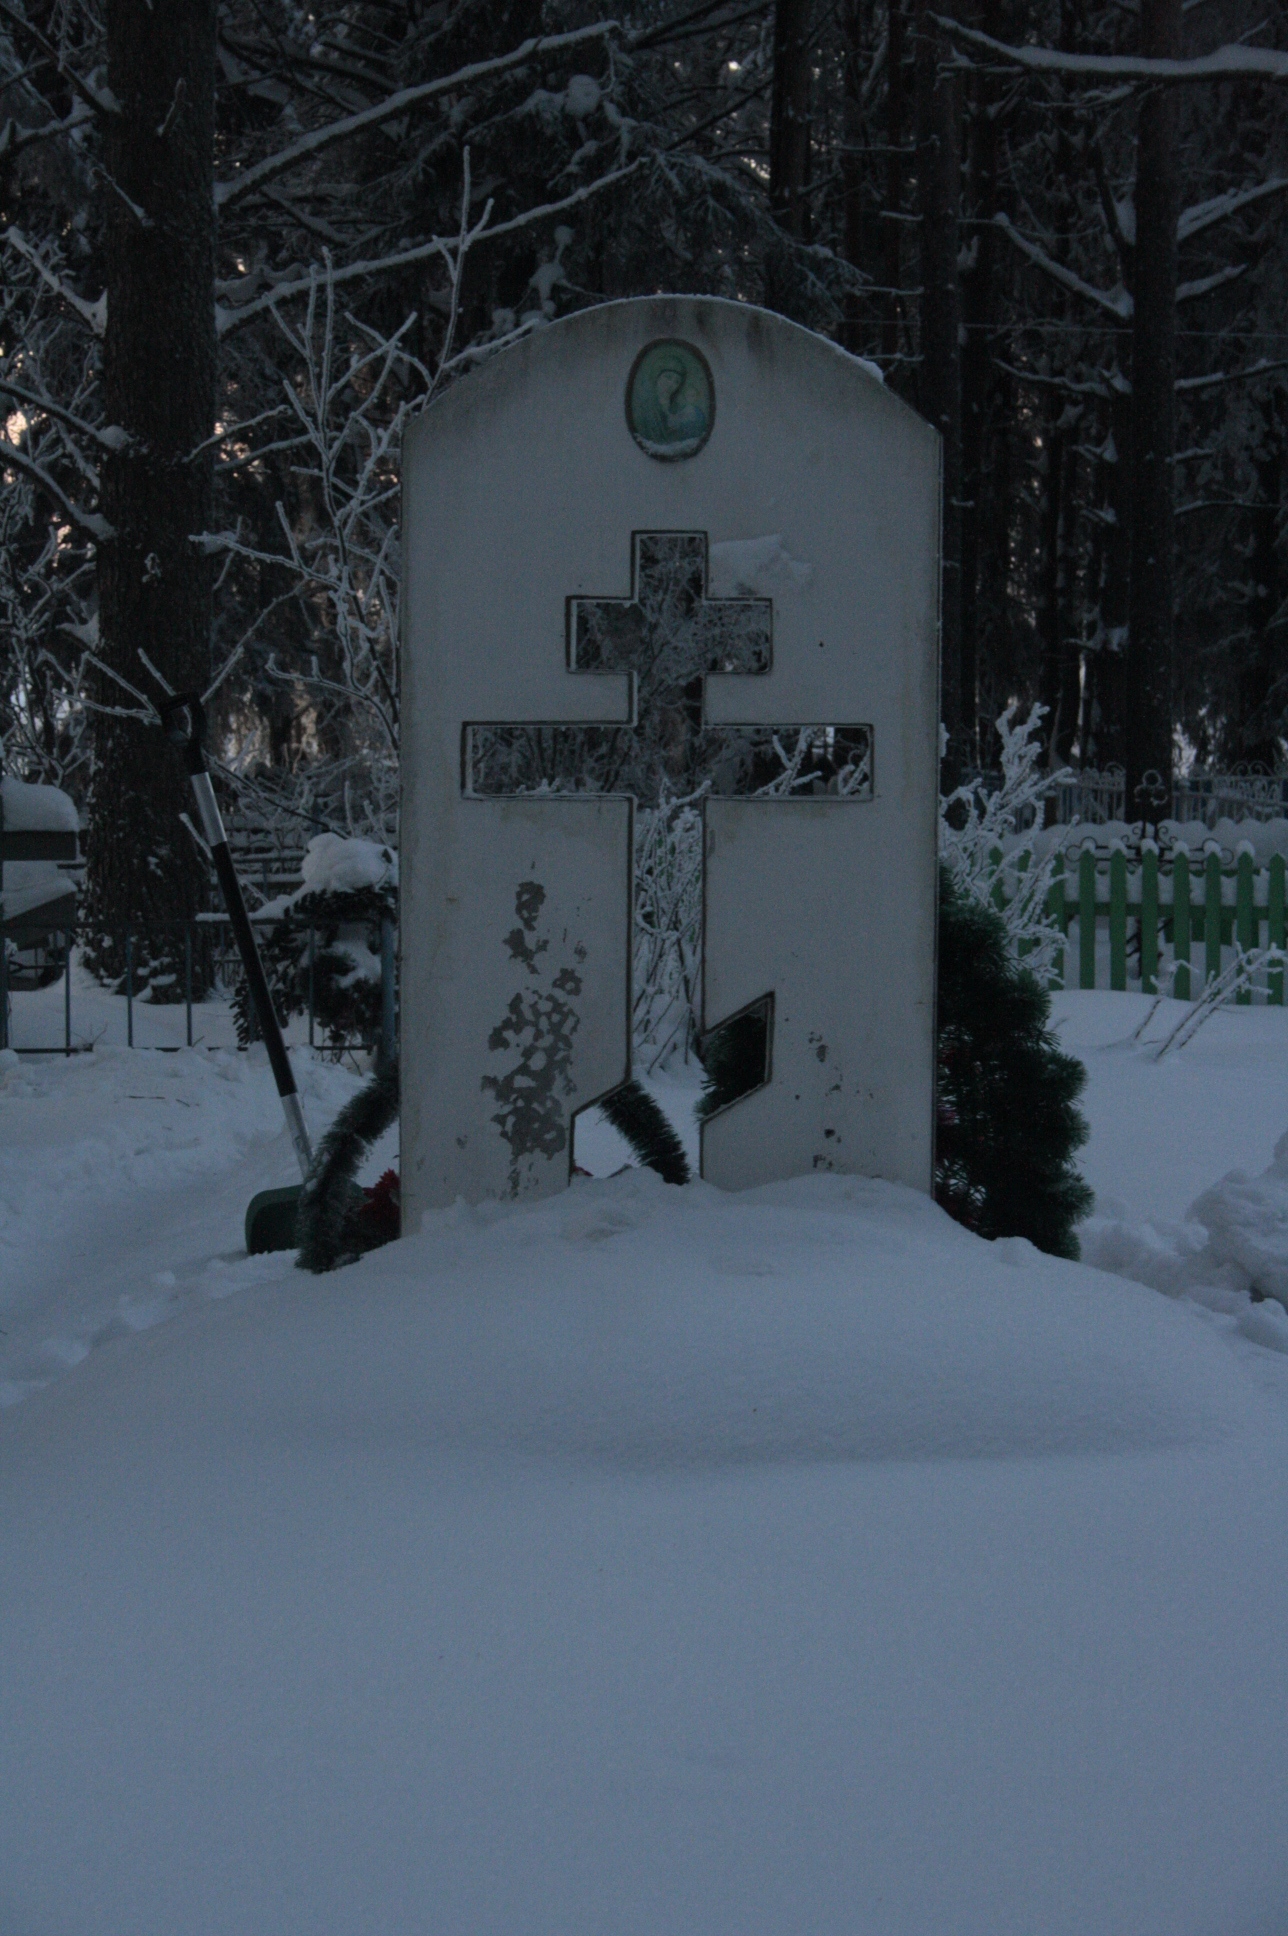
939 387
1259 686
1058 686
979 510
892 227
789 142
159 387
852 24
1150 647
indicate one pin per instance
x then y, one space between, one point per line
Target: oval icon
670 400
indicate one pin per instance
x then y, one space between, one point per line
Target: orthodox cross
669 635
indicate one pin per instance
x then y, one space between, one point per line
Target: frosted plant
987 841
668 928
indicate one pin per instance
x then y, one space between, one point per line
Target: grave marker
560 509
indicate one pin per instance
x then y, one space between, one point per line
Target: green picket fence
1188 910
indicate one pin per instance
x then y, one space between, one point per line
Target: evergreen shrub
1008 1125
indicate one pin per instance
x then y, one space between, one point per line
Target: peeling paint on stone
539 1027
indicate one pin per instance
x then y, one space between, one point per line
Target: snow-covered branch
1205 215
92 523
441 246
93 315
1115 302
398 103
1230 63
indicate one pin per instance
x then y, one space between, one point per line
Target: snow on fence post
1181 924
1246 925
1211 917
1118 920
1149 920
1087 918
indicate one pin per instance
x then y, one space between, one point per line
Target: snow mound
37 809
649 1560
631 1325
756 567
336 865
1246 1220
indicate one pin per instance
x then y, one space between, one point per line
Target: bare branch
1260 368
113 438
1229 63
1190 291
230 319
103 103
1205 215
93 315
1117 303
398 103
89 522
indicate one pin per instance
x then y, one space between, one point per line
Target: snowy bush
328 934
992 847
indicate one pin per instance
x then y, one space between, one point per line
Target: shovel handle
185 721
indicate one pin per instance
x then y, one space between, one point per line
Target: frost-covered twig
982 841
1233 980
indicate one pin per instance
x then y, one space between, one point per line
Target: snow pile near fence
1262 838
651 1559
1163 1131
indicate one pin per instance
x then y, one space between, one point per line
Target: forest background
243 239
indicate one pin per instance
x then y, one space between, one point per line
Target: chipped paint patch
537 1032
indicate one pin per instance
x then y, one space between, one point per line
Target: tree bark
1151 616
984 518
159 387
789 142
940 386
1259 715
852 24
892 238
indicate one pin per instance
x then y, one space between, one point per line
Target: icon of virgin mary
670 400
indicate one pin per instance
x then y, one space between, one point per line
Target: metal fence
206 941
1096 795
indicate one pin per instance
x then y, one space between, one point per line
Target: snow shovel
271 1214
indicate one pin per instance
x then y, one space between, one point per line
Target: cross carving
669 635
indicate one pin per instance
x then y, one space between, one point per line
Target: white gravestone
564 507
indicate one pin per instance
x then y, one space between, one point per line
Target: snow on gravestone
561 506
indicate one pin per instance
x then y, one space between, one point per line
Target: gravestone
568 509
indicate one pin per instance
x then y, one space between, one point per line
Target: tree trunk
1258 724
1101 733
980 510
159 386
892 227
1150 646
852 329
789 143
1059 673
939 387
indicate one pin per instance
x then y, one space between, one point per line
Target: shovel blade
271 1218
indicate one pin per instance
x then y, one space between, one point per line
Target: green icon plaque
670 400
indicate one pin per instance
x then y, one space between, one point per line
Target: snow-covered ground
647 1561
